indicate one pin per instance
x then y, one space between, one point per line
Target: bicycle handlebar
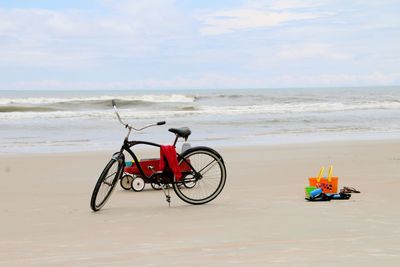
116 112
114 104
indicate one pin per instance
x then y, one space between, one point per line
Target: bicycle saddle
183 132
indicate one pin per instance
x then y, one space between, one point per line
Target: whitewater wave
192 110
302 107
6 109
174 98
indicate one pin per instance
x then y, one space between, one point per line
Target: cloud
215 81
155 44
121 29
32 58
296 4
121 22
144 19
41 23
253 16
202 81
303 51
244 19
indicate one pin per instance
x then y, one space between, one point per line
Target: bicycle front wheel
203 175
106 184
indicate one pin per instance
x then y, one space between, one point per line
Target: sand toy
318 195
329 184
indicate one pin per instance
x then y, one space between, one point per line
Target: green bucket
309 189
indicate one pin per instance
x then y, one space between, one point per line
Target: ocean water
59 121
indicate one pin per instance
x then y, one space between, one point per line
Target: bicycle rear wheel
203 176
106 184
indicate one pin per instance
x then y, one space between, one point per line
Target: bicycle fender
203 148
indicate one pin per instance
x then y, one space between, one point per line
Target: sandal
348 190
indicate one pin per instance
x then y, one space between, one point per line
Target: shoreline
223 143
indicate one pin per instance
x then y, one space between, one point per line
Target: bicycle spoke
105 185
208 168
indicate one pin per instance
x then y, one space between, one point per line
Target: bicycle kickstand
166 193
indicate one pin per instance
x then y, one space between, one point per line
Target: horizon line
200 89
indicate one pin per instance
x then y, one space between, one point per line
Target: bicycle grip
161 123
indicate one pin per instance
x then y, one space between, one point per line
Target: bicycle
202 168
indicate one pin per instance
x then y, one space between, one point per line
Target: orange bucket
329 185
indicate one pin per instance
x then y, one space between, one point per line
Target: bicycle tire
97 202
210 181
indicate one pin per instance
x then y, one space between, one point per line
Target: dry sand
260 219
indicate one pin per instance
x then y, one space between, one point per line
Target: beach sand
260 218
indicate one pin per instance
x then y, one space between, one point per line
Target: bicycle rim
105 185
206 186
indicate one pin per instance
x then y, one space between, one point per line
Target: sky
207 44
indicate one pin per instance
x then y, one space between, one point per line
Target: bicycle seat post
176 139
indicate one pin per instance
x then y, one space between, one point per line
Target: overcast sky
203 44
